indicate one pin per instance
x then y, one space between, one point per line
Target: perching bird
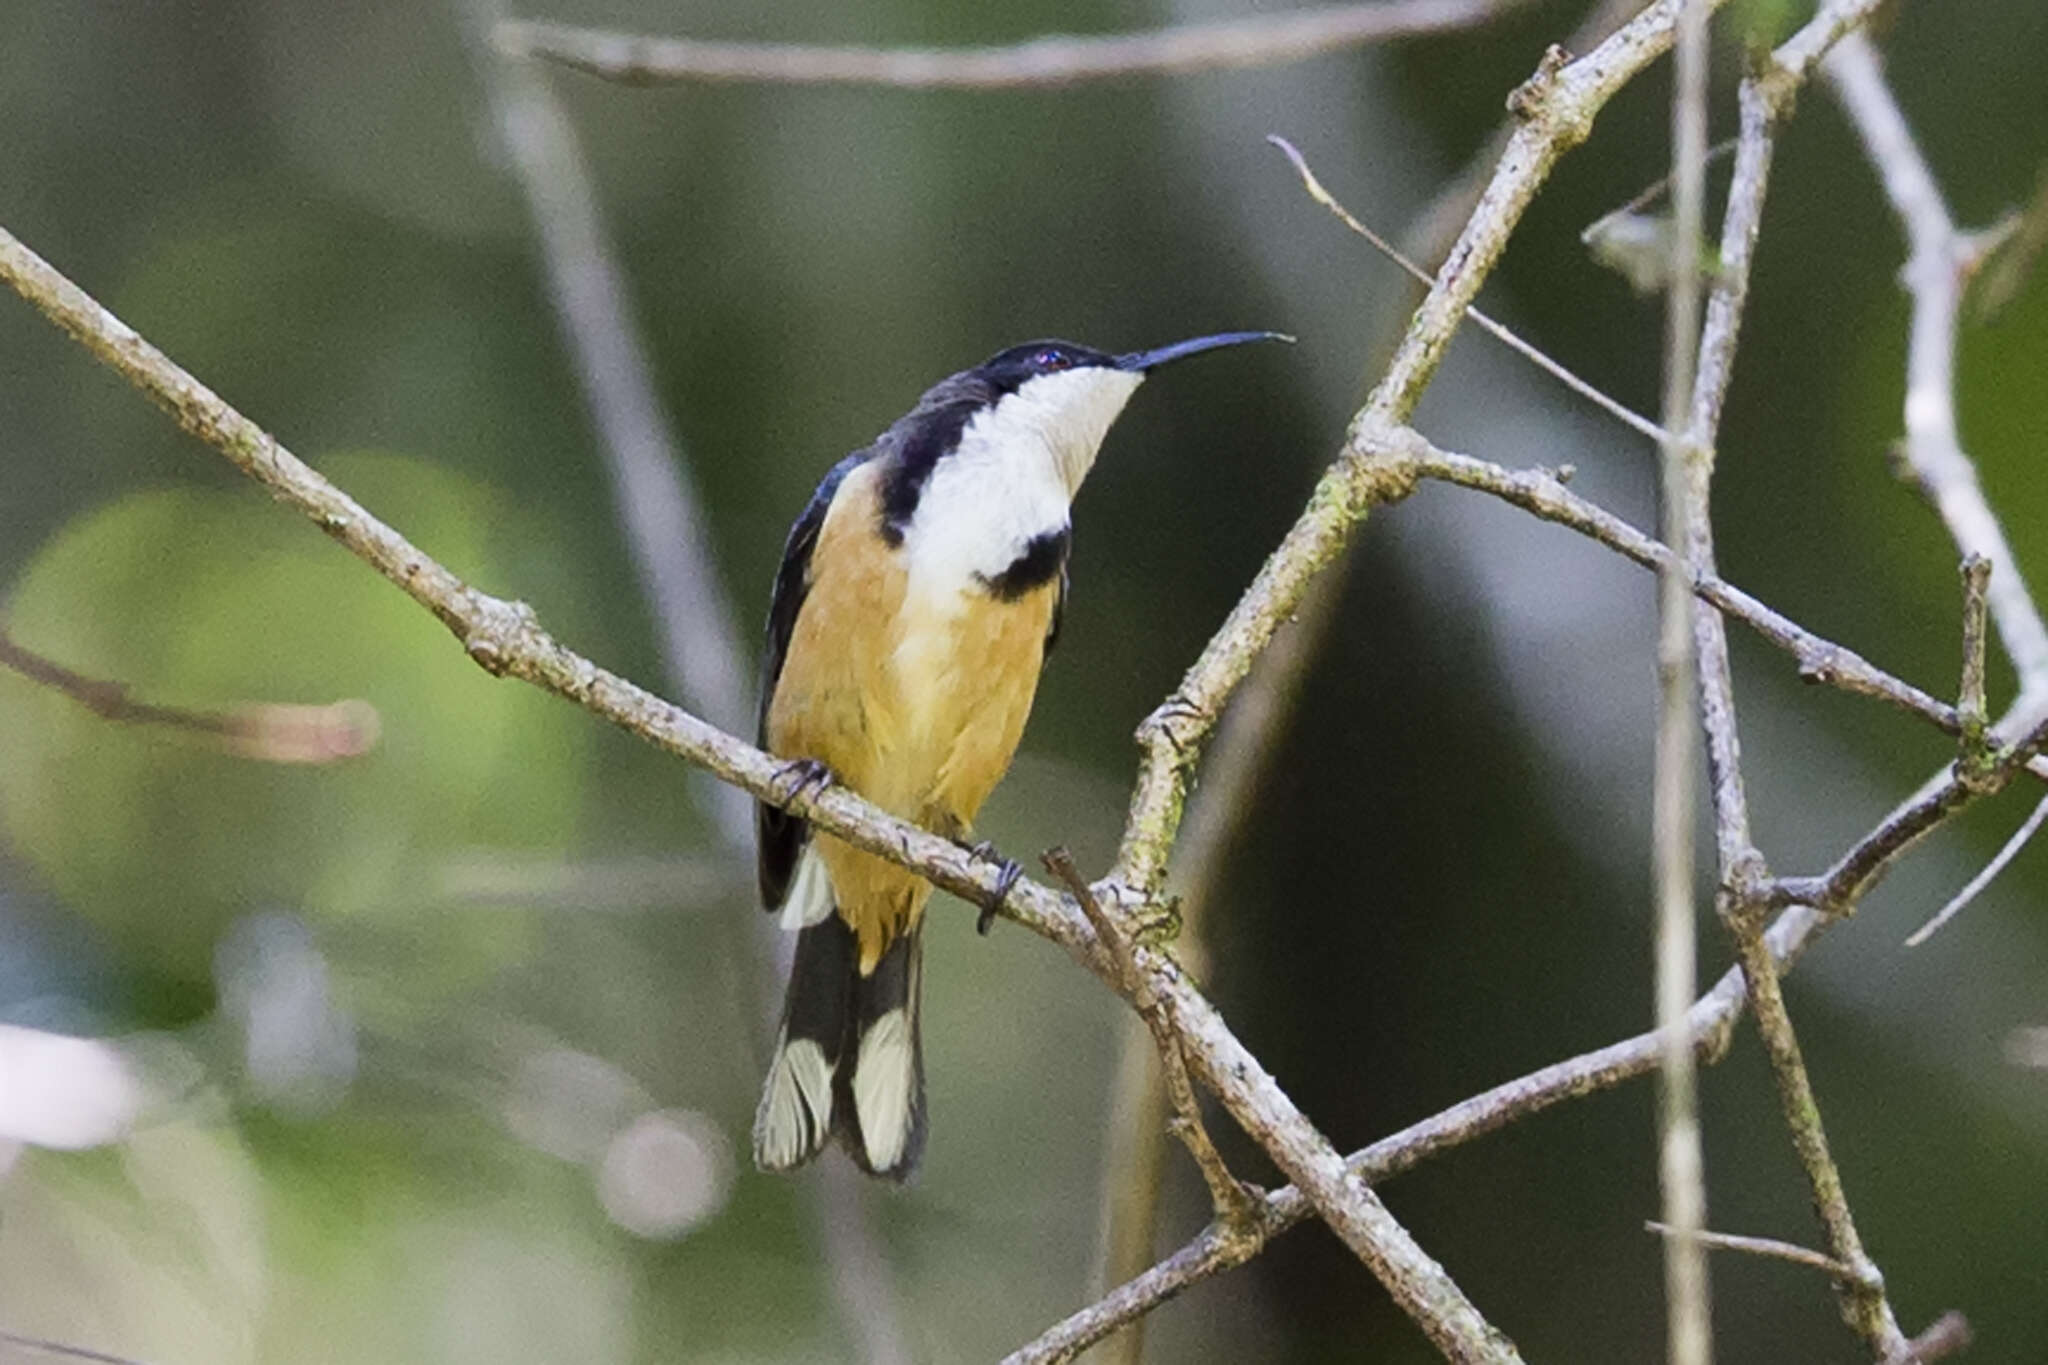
918 595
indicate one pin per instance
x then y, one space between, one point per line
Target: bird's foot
1007 873
802 775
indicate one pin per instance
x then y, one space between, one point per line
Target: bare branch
1763 95
1681 1160
1961 900
1614 407
1864 1305
268 731
1266 40
1649 194
1934 276
1843 886
1759 1246
1232 1201
1243 745
1736 854
1541 492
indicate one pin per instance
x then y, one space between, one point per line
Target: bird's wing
780 836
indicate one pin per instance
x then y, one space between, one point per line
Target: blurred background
449 1051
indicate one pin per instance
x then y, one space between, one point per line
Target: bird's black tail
849 1058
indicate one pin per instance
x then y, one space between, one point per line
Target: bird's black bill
1142 361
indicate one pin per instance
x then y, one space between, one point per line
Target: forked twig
1235 1204
1975 886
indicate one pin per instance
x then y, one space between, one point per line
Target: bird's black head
1008 370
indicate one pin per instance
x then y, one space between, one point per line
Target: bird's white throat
1018 465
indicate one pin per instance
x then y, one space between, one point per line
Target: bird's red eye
1051 358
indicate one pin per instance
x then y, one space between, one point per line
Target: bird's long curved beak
1142 361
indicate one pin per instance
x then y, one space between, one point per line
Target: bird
919 593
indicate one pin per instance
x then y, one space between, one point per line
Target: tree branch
1265 40
1935 272
1975 886
1864 1305
268 731
1949 1334
1842 887
1764 95
1408 457
1232 1201
1684 466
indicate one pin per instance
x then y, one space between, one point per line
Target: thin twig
658 507
58 1348
1681 1161
1433 230
268 731
1406 457
1948 1335
1842 887
1961 900
1758 1246
1614 407
1737 861
1863 1302
1234 1204
1265 40
1648 195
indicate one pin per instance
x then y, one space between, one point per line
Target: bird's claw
1007 873
803 775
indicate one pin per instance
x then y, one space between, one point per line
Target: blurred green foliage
160 838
